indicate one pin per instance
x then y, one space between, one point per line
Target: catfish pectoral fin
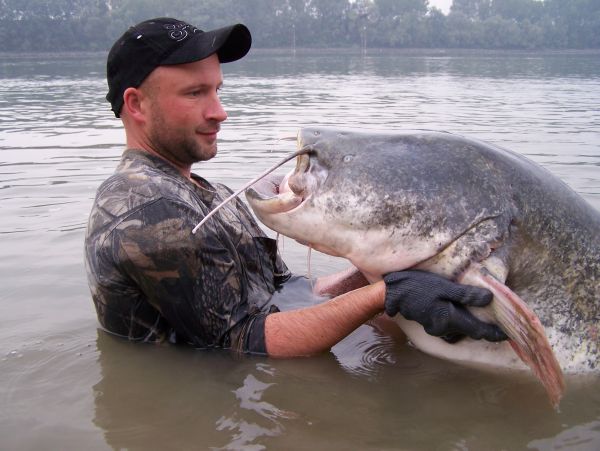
524 329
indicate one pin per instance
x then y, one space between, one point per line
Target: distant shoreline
345 51
421 51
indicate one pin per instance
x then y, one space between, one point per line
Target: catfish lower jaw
266 198
280 203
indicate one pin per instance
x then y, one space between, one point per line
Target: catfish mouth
275 195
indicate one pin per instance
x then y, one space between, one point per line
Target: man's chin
205 154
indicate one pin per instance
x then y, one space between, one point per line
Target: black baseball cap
166 41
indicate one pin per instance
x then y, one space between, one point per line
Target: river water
67 385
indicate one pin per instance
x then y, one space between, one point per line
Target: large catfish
471 211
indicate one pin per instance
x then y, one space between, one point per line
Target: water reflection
245 433
581 437
159 397
170 397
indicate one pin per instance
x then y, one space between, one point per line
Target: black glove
439 305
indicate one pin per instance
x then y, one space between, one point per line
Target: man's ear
132 104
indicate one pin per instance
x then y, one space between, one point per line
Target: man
152 279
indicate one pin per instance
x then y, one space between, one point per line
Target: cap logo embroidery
179 31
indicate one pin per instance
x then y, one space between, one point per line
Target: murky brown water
67 385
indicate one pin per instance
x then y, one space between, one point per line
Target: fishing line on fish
302 151
281 249
308 265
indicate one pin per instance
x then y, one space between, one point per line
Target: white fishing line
249 184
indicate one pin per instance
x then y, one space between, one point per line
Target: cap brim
229 43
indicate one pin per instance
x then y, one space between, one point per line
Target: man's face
185 112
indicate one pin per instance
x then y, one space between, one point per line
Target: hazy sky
444 5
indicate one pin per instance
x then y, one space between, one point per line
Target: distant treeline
74 25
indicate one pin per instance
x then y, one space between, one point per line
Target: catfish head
386 202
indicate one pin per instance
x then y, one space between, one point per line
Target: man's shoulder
134 185
138 191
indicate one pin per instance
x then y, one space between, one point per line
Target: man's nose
215 111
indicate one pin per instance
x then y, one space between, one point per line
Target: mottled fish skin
396 201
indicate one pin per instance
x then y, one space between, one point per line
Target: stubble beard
177 144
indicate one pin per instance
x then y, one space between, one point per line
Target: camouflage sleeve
194 280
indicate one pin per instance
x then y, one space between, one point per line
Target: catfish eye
348 158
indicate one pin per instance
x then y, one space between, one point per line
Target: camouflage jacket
152 279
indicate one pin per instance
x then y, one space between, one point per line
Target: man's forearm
316 329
